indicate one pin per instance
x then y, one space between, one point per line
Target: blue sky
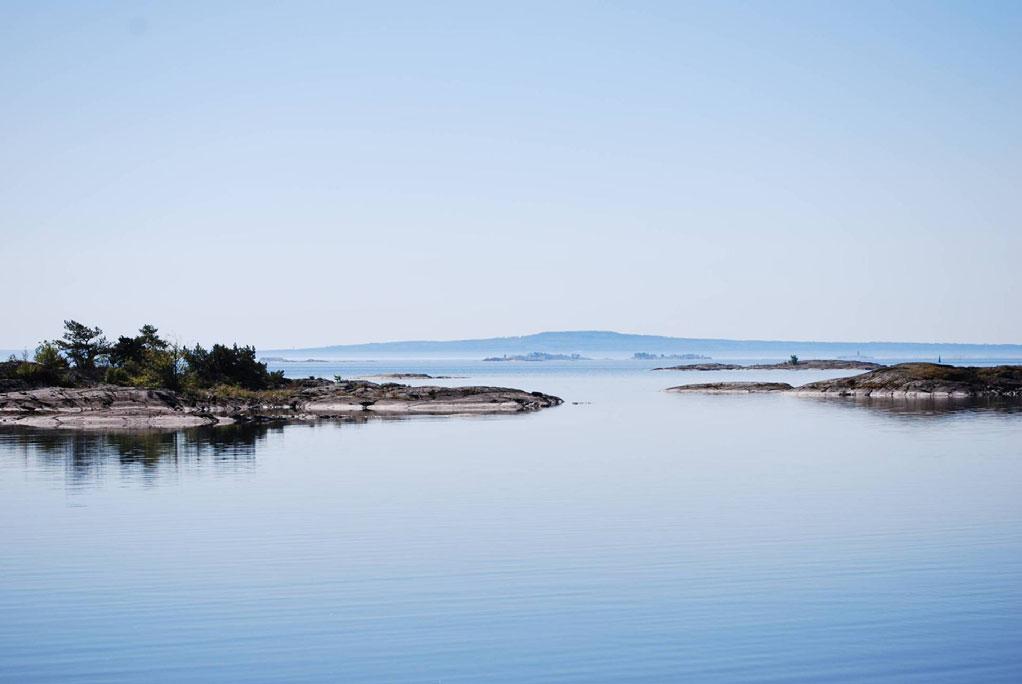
299 173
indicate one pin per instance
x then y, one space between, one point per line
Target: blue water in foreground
634 536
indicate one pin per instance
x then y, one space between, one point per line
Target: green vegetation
232 366
47 367
82 345
83 357
793 360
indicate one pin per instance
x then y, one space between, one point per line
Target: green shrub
118 376
38 375
47 355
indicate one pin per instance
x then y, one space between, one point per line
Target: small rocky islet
538 356
903 380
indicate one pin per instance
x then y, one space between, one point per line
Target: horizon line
745 340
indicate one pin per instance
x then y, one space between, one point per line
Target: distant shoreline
601 342
812 364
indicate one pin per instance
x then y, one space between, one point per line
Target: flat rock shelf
113 407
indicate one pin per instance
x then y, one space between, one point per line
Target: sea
628 535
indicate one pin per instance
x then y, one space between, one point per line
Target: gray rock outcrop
107 406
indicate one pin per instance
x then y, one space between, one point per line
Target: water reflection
83 457
643 536
929 408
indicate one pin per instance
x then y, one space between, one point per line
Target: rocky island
109 406
538 356
142 382
904 380
813 364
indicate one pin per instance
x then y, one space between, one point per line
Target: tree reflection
84 455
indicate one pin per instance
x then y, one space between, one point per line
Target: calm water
636 536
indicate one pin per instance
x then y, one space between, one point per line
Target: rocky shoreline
733 387
906 380
814 364
114 407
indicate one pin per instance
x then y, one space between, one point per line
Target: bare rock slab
110 407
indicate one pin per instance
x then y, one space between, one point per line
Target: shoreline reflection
84 455
925 407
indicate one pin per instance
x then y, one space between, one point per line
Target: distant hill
622 344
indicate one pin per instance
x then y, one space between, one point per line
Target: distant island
281 359
796 364
606 342
904 380
538 356
646 356
84 381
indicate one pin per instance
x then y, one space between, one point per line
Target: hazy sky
296 173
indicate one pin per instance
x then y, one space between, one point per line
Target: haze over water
633 536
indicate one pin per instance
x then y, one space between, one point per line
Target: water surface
630 535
